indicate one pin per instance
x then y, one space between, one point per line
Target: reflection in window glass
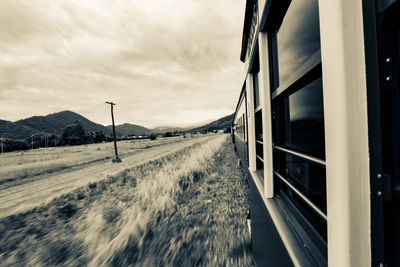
308 177
244 127
259 140
298 118
304 120
316 221
298 38
258 125
301 128
256 90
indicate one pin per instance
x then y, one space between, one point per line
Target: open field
187 208
24 193
22 164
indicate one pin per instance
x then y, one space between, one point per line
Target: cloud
164 62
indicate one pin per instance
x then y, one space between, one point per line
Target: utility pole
117 159
32 141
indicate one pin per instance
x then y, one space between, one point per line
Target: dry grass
186 209
17 165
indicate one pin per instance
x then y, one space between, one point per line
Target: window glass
259 140
298 113
258 125
314 219
243 131
305 120
298 38
299 126
308 177
259 165
256 90
259 149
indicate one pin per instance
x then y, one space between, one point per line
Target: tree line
73 134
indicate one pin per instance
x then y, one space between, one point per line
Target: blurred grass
207 224
186 209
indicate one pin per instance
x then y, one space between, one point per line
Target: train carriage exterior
317 129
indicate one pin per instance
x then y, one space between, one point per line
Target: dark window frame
381 29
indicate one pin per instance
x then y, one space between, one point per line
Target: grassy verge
185 209
16 166
207 224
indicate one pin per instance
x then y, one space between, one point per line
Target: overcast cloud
164 62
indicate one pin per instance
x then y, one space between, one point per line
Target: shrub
74 134
12 145
168 134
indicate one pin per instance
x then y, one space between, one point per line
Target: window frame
307 73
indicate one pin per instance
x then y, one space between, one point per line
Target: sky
163 62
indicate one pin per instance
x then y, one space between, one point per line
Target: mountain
55 123
129 129
51 124
220 124
11 130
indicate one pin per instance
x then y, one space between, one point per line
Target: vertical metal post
117 159
113 126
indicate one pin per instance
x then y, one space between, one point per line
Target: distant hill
55 124
11 130
129 129
164 129
220 124
51 124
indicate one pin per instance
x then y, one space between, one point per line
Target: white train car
317 129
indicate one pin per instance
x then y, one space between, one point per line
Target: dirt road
45 187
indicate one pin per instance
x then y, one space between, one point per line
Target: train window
298 40
240 122
304 120
255 69
244 127
256 91
259 142
308 177
298 115
298 205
